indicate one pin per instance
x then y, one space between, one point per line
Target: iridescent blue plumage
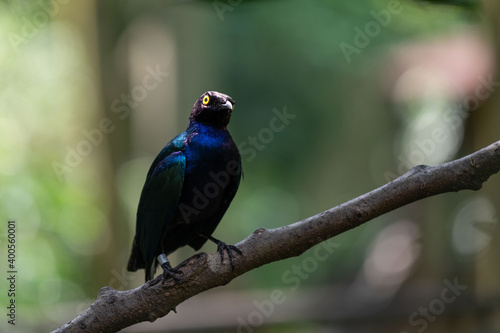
189 187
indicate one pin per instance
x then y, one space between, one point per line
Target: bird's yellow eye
206 99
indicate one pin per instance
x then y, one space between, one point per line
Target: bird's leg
168 270
221 246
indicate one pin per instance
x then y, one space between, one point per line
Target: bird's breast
210 149
212 172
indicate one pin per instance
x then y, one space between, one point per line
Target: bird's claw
221 246
168 271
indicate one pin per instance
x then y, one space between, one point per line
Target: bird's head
212 108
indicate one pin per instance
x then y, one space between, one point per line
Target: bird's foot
221 246
168 271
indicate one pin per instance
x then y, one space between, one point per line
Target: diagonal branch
114 310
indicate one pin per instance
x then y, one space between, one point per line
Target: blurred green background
92 90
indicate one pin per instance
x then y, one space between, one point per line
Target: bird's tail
136 260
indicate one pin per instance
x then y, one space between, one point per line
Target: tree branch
114 310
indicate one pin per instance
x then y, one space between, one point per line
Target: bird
188 189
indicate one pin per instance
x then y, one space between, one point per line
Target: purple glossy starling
188 189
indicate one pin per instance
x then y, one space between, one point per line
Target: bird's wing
160 197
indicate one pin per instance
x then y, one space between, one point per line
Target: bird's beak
228 105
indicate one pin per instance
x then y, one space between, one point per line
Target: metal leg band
162 259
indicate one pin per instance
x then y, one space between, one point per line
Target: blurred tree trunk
110 25
483 126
